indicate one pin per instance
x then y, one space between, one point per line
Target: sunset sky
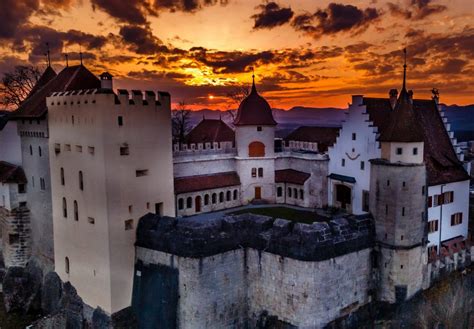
305 52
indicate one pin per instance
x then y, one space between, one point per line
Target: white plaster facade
10 144
110 165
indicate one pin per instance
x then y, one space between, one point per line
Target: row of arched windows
81 179
208 199
76 209
291 193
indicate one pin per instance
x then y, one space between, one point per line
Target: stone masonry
15 234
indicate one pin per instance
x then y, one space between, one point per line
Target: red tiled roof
403 126
254 110
324 136
205 182
10 173
291 176
209 131
442 164
71 78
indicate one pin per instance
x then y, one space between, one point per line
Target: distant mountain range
460 117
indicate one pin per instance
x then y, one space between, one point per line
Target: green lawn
302 216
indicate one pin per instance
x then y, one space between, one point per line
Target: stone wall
233 270
16 236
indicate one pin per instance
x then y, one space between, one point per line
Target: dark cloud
141 39
13 14
233 62
128 11
415 9
334 19
271 15
449 66
186 5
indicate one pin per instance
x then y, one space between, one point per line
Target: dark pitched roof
254 110
402 126
324 136
440 158
205 182
71 78
10 173
291 176
3 120
48 75
209 131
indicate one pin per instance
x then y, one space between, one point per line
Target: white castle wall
215 291
203 164
10 144
363 148
85 129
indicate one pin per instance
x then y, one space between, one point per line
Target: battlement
89 96
316 242
203 148
299 145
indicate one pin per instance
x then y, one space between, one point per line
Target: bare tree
17 84
237 94
180 121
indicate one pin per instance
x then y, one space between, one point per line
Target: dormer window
399 150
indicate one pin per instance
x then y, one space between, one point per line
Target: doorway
197 204
258 192
343 196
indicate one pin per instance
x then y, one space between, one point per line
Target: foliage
180 120
17 84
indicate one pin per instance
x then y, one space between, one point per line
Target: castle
81 164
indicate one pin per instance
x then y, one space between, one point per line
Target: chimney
393 97
106 81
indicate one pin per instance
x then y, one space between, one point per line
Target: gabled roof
209 131
205 182
324 136
254 110
291 176
10 173
441 161
402 127
70 78
48 75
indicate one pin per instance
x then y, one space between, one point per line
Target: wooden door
258 192
197 203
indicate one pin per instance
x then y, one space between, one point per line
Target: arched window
279 191
189 202
256 149
64 208
301 194
214 198
81 181
76 211
39 151
235 194
228 196
295 193
66 265
206 199
62 176
180 203
289 192
221 197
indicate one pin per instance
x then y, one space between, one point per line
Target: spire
48 54
254 89
404 69
80 54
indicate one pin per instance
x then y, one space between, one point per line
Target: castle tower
397 202
254 138
111 164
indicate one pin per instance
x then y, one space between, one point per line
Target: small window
259 128
206 199
221 197
343 162
362 165
79 148
365 201
228 196
21 188
260 172
33 181
81 181
388 182
295 193
129 224
62 176
67 147
279 191
130 209
404 184
289 192
430 201
254 172
456 219
72 118
31 150
235 194
66 265
40 153
401 238
148 205
386 209
13 238
76 211
57 149
64 208
214 198
354 136
399 150
403 211
448 197
423 190
124 150
433 226
140 173
91 149
189 202
90 220
415 150
120 121
301 194
180 203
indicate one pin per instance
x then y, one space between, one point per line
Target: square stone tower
111 163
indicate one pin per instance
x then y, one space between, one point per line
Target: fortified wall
233 271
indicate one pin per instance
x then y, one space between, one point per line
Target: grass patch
302 216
